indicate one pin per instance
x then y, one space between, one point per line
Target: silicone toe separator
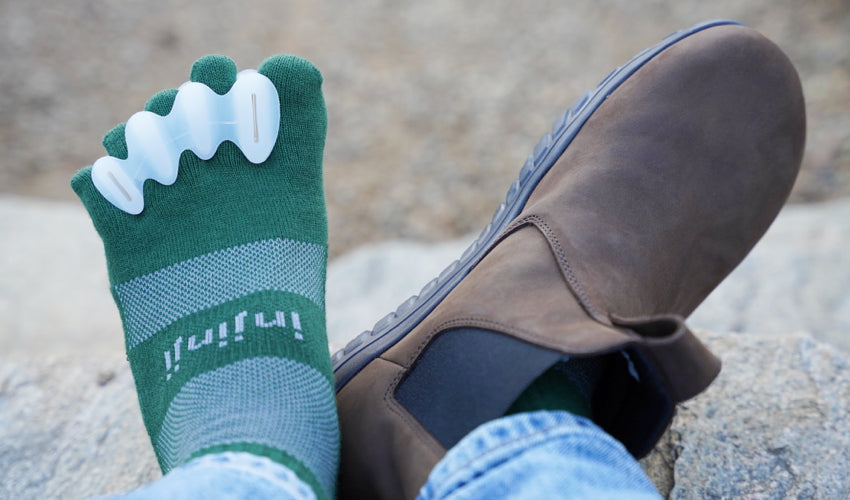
200 120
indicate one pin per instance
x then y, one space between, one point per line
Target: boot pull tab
684 363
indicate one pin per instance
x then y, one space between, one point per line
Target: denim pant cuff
544 454
228 475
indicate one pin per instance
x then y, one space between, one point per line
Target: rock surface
70 427
54 291
775 424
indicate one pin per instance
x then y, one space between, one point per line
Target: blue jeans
528 455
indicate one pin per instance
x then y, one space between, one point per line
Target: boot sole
370 344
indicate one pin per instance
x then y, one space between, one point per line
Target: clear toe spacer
200 120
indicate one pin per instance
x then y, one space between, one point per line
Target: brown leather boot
643 198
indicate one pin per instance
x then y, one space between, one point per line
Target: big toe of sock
295 78
302 110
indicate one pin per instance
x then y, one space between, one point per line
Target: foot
217 265
642 199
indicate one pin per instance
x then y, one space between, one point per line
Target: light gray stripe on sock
275 402
151 302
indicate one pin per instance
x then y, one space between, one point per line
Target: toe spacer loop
200 120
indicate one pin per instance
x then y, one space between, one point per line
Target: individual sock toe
82 185
302 107
293 76
115 142
216 72
161 102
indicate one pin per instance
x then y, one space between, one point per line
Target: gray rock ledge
775 424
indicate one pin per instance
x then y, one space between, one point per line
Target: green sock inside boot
220 283
568 386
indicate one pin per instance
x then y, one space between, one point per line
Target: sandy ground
433 106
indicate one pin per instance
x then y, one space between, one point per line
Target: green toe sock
220 283
568 386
